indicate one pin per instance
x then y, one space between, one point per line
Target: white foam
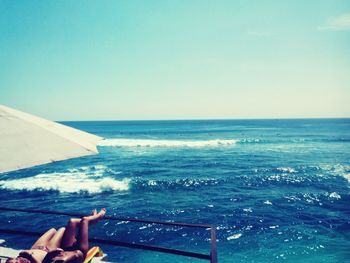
334 195
164 143
235 236
68 182
250 140
347 177
286 170
338 169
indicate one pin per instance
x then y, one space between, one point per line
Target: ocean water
277 190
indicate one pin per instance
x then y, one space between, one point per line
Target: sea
276 190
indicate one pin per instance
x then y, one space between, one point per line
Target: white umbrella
27 140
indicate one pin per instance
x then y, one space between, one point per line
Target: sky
177 59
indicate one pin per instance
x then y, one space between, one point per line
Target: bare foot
95 217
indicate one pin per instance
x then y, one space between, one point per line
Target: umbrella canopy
27 140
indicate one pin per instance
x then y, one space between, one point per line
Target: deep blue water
277 190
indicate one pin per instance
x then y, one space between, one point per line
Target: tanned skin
68 244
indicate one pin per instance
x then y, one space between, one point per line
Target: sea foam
235 236
338 170
67 182
164 143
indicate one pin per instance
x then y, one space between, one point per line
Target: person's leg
95 217
68 238
83 236
56 240
44 239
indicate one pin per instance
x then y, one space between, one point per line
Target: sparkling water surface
277 190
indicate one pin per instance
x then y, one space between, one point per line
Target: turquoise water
277 190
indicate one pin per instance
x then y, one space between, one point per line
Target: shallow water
277 190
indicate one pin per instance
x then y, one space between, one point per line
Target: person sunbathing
62 245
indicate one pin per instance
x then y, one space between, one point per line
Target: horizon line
210 119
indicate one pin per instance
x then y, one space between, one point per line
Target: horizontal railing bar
153 248
122 244
106 217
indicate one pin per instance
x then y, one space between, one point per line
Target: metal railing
212 257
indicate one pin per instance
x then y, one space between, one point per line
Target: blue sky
105 60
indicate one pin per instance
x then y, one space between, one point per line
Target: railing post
213 252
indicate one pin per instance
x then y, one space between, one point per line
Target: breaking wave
124 142
98 179
321 170
294 140
337 169
164 143
81 180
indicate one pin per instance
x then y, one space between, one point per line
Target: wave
124 142
98 179
73 181
282 140
164 143
337 169
347 177
235 236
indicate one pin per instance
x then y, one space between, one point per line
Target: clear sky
106 60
